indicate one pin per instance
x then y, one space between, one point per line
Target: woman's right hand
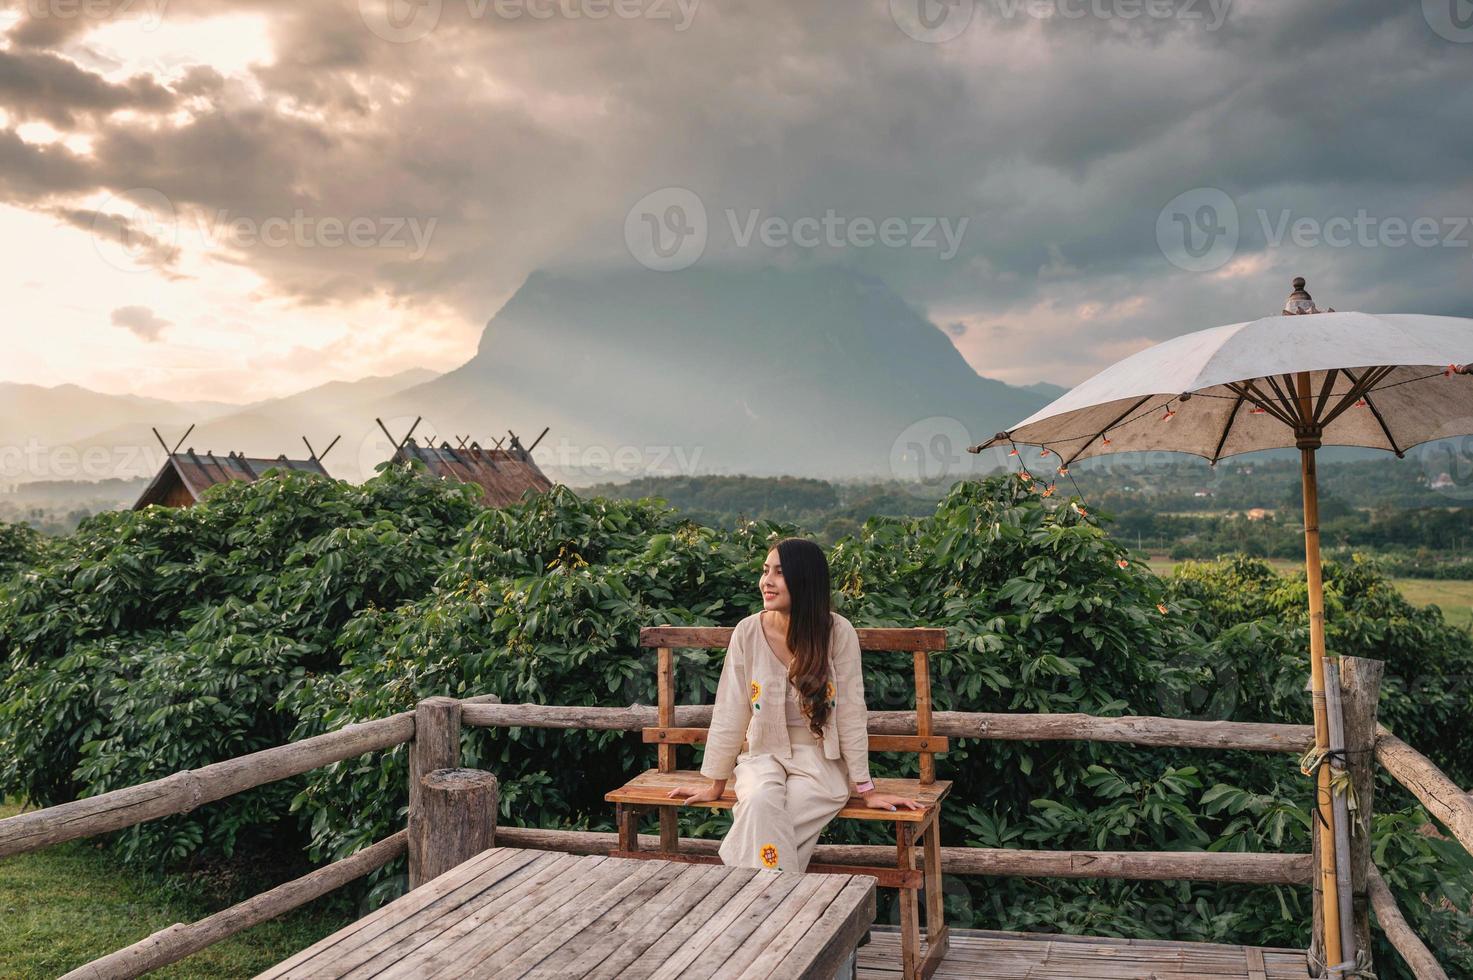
709 793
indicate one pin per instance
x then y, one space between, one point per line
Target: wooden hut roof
184 476
502 474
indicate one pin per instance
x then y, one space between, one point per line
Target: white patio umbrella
1388 382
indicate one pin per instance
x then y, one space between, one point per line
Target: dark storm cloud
1058 138
35 85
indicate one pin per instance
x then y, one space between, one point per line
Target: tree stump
455 821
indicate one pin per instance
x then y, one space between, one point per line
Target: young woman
791 695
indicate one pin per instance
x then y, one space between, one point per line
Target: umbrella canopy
1380 381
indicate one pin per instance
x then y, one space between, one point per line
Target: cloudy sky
232 199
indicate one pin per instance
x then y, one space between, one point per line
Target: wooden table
511 912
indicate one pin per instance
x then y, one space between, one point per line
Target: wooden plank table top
512 912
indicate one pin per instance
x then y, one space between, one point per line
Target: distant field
1455 597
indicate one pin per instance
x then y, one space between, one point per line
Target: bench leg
626 818
669 830
910 925
938 938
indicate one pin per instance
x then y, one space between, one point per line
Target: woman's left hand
884 801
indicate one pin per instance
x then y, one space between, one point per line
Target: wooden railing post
1360 686
455 821
436 746
1360 690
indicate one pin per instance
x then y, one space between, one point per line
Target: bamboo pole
1308 434
1341 808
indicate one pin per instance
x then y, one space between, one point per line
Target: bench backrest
917 641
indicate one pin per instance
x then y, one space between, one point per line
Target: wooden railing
433 731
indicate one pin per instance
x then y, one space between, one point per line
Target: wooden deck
982 955
509 912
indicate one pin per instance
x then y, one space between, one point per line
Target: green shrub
167 639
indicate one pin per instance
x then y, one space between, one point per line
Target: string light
1361 403
1161 607
1048 491
1123 563
1105 441
1170 414
1044 453
1063 471
1013 451
1079 510
1452 369
1258 410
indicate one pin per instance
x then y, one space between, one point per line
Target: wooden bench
913 828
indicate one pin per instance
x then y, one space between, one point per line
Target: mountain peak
815 370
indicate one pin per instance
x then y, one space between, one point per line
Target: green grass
1454 596
66 905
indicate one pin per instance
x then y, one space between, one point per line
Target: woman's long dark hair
806 574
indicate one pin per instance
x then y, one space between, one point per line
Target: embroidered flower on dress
756 693
768 853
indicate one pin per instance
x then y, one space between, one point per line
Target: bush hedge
153 641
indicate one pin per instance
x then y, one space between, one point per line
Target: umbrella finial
1299 300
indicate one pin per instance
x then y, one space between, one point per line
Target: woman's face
774 588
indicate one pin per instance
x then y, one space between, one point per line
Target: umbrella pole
1328 884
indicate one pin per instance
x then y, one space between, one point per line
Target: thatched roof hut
503 474
184 476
